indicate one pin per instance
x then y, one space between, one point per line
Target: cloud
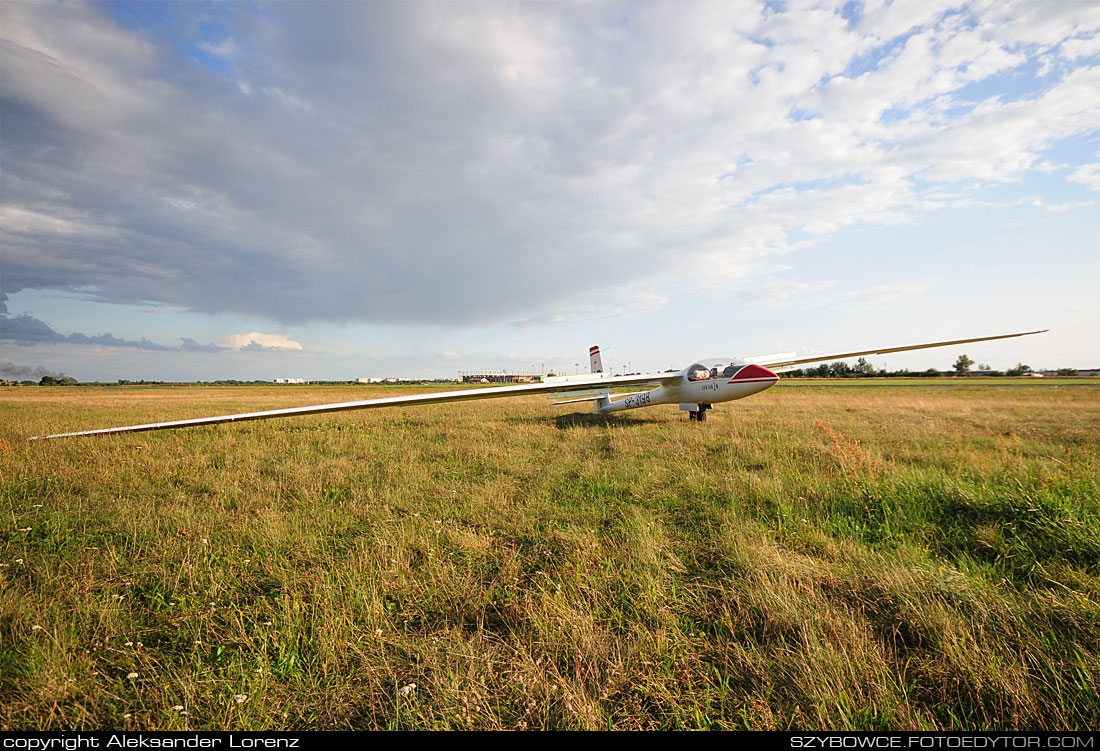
190 345
226 48
1075 49
1087 175
470 164
25 329
784 294
257 341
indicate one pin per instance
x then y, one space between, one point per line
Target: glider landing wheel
699 415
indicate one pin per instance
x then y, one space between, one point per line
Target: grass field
811 557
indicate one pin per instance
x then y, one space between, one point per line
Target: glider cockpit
715 368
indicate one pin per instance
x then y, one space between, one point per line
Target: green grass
888 558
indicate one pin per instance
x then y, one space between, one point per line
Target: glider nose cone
755 374
752 379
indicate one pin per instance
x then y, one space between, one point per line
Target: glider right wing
782 366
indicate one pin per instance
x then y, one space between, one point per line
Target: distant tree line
838 369
46 380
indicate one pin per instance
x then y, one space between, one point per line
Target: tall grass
812 557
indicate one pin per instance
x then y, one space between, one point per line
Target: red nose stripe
754 373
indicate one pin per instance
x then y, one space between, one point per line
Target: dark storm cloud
25 329
482 162
346 166
190 345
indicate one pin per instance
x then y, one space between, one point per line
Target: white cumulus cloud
267 341
1087 175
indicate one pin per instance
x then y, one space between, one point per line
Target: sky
198 191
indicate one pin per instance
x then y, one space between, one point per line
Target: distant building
500 378
290 380
1085 372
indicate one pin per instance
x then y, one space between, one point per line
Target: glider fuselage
706 382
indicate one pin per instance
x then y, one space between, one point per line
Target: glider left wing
438 397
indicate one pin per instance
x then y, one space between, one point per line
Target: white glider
694 389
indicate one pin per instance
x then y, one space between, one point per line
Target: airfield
816 556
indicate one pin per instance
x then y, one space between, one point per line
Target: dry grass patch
812 557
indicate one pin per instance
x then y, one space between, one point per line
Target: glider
695 388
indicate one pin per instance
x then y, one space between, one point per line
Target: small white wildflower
24 529
140 645
240 698
129 644
19 561
248 560
185 713
205 541
259 671
268 623
127 716
131 676
178 708
377 631
406 690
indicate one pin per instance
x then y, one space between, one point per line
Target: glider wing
438 397
781 366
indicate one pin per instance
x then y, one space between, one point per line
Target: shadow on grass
595 420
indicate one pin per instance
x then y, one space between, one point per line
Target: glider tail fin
595 360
